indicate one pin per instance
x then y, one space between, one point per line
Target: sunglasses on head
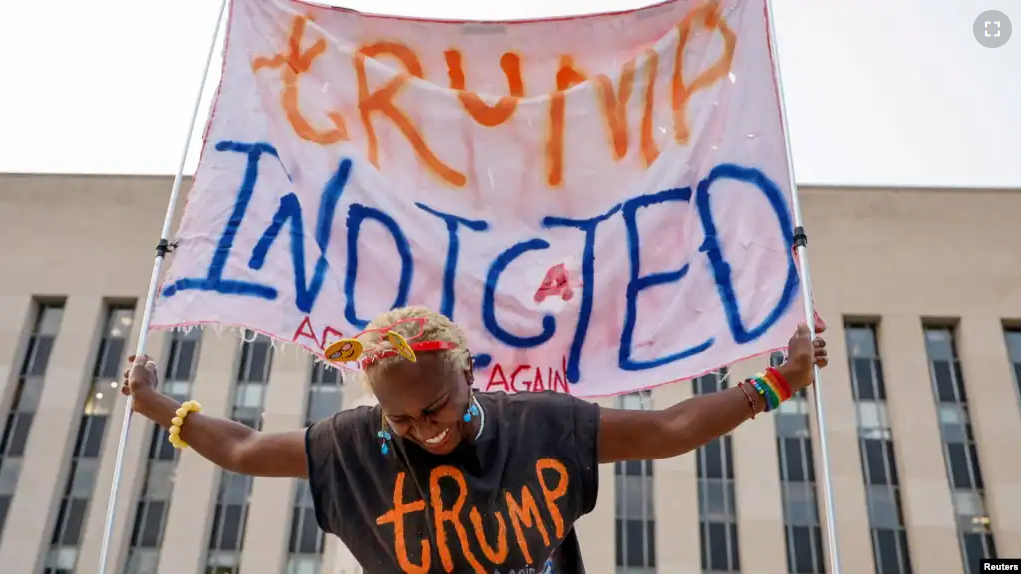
402 337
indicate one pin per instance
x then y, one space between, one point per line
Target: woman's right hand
141 379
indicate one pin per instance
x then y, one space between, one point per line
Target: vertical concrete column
996 423
925 491
676 497
48 452
760 525
186 535
16 311
270 508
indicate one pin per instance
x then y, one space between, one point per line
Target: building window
324 393
635 520
802 530
307 540
875 447
231 512
305 546
1014 352
154 501
963 469
99 402
27 391
717 505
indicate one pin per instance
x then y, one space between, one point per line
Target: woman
440 478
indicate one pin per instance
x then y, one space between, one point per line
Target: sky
878 92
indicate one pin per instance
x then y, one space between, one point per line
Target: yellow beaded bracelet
175 423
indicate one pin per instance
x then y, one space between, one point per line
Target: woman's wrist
760 403
756 402
769 389
155 406
791 374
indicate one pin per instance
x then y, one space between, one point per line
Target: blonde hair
435 327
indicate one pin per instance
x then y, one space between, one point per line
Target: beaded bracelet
773 387
768 396
748 395
174 435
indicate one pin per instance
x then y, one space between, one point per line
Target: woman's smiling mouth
438 439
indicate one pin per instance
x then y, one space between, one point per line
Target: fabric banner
602 202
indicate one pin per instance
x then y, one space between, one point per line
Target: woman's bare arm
226 443
638 435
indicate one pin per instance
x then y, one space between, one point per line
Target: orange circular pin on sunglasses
344 350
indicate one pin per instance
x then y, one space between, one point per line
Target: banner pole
800 248
162 248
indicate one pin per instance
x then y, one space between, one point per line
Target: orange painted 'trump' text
523 509
301 53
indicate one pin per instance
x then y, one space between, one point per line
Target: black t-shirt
505 503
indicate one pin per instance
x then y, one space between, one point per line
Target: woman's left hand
803 354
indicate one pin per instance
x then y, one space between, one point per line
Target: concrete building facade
921 289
